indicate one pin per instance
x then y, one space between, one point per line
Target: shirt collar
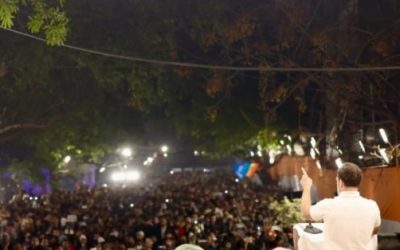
349 194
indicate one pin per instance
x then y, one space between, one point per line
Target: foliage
51 107
62 98
47 16
286 212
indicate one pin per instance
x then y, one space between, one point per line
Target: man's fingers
304 171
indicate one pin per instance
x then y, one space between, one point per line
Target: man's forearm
306 203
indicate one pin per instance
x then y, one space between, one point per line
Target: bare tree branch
14 127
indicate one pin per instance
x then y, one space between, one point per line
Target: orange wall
379 184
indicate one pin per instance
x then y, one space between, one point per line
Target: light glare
67 159
313 142
164 148
125 176
339 162
319 165
384 155
384 136
126 152
361 146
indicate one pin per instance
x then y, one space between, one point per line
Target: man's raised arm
306 183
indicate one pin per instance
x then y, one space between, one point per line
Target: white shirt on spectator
349 220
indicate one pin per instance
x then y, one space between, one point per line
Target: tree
44 16
227 111
52 107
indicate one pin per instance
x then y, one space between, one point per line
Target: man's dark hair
350 174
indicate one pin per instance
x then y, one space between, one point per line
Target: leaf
35 23
7 12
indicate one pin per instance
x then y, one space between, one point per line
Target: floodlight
339 162
164 148
132 175
361 146
384 155
312 153
126 152
313 142
67 159
384 136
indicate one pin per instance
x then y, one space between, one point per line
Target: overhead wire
210 66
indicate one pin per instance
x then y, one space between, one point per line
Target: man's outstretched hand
306 181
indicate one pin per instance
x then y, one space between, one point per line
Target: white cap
188 247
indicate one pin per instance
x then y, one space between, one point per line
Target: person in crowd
210 211
350 221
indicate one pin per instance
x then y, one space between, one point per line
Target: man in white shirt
350 221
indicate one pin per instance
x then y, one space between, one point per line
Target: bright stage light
339 162
384 155
312 153
121 176
361 146
164 148
132 175
384 136
196 153
313 142
289 149
67 159
102 169
118 176
126 152
165 155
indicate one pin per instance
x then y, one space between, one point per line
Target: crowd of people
210 210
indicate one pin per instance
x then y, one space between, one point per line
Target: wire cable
213 67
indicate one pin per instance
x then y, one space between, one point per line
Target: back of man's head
350 174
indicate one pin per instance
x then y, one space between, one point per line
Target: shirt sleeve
321 209
378 215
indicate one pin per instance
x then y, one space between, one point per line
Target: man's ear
341 184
